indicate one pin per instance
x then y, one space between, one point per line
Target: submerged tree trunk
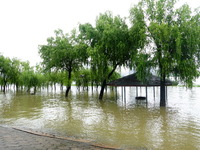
92 87
28 89
17 87
61 86
162 77
35 89
54 84
104 82
69 83
67 91
102 89
4 88
4 85
162 92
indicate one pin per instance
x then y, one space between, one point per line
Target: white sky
25 24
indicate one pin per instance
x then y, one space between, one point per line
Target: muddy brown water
126 122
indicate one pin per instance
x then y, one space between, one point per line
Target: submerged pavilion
132 80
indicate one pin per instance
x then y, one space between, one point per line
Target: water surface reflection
126 123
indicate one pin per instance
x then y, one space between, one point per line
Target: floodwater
118 121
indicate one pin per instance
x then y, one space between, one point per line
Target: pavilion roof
132 80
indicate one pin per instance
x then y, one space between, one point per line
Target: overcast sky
25 24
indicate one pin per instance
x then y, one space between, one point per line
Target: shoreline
38 133
9 133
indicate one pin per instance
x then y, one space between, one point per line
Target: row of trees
161 38
19 74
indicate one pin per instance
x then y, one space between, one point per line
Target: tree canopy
18 73
110 45
64 53
172 39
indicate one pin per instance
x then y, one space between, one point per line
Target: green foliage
143 65
161 38
170 37
83 78
28 78
64 53
5 71
18 73
110 46
114 76
113 44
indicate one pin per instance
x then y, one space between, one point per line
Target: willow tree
5 71
172 39
110 45
64 53
16 72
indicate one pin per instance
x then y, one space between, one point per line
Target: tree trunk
55 87
67 91
102 90
92 86
162 92
4 88
162 77
4 85
17 87
61 86
35 89
28 89
104 82
69 83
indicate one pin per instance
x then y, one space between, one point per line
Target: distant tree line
160 38
22 77
18 74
